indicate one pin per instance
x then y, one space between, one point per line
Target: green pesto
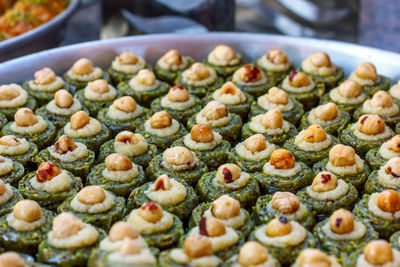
42 139
272 184
389 120
9 205
394 240
384 227
374 159
263 215
180 115
94 107
9 112
358 180
278 139
208 189
79 167
373 184
27 158
73 257
15 175
331 80
121 189
21 241
257 90
3 120
200 91
293 116
331 127
309 157
278 76
164 142
102 220
46 199
74 85
383 83
198 213
308 99
143 159
212 158
287 255
119 76
324 208
182 209
169 76
225 71
58 120
345 107
143 98
41 97
230 132
234 259
190 176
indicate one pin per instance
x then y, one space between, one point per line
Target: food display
208 162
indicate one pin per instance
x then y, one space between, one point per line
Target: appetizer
11 171
224 60
14 97
377 157
275 64
252 80
18 149
9 196
253 254
171 64
384 178
315 257
376 253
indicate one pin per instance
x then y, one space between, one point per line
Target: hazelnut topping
349 89
162 183
151 211
129 247
341 155
64 145
27 210
382 99
178 156
2 187
394 143
197 246
127 58
63 98
341 222
126 104
178 93
146 77
44 76
121 230
298 79
9 140
25 117
312 257
315 134
202 133
100 86
229 88
160 120
272 119
79 120
83 66
92 194
255 143
324 182
277 57
393 167
389 201
277 96
198 72
367 70
225 207
327 112
118 162
250 73
47 171
252 254
282 159
224 52
215 110
66 225
378 252
11 259
279 226
211 227
321 59
7 92
371 124
173 57
285 202
127 138
228 173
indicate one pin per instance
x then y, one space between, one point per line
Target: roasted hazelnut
118 162
83 66
298 79
277 57
312 257
9 140
162 183
315 134
225 207
2 187
272 119
66 225
282 159
11 259
160 120
91 194
202 133
392 167
341 155
378 252
250 73
7 92
324 182
47 171
128 138
255 143
121 230
151 211
178 93
285 202
224 52
63 98
229 88
381 99
178 156
279 226
25 117
198 72
320 59
146 77
197 246
349 89
341 222
126 104
214 110
64 145
371 124
173 57
99 86
367 70
27 210
44 76
79 120
129 247
252 254
327 112
394 143
127 58
211 227
389 201
277 96
228 173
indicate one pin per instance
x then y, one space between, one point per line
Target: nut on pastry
371 124
118 162
277 57
91 195
378 252
82 66
272 119
389 201
162 183
394 143
79 120
381 99
321 59
277 96
225 207
66 224
341 155
202 133
279 226
178 93
324 181
252 254
64 145
27 210
214 110
146 77
7 92
341 222
197 246
314 134
44 76
178 155
255 143
126 104
47 171
151 211
127 58
160 120
121 230
298 79
198 71
63 98
25 117
367 70
11 259
282 159
311 257
211 227
228 173
285 202
250 73
172 57
349 89
327 112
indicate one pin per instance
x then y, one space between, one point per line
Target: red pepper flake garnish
227 176
203 226
325 178
291 75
